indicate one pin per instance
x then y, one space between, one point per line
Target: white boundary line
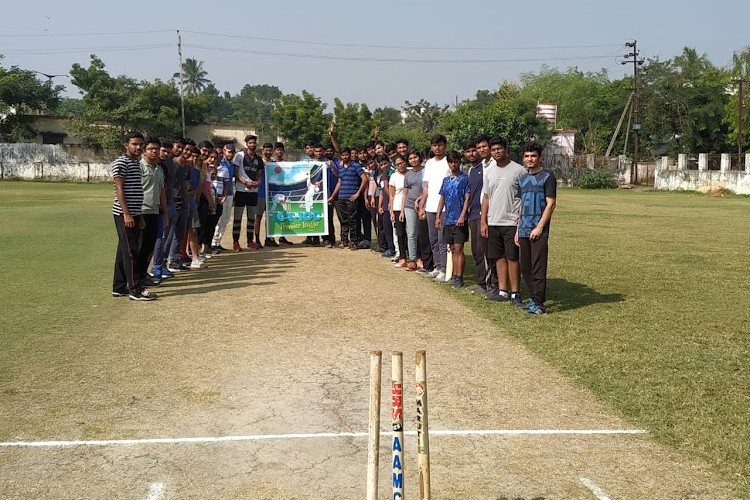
156 492
317 435
597 491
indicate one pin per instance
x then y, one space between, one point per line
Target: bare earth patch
276 342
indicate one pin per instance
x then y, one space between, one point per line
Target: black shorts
243 199
501 243
455 235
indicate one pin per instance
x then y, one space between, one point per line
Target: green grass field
648 301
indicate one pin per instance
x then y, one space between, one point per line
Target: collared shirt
130 170
230 175
153 181
351 179
475 191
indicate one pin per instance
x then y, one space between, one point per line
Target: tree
114 105
20 93
193 76
299 119
510 114
423 114
354 123
253 105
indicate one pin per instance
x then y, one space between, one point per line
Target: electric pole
182 84
637 61
740 116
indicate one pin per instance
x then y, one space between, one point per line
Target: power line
391 60
73 50
369 46
47 35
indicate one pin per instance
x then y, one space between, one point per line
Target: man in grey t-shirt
501 204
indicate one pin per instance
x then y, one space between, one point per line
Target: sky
380 53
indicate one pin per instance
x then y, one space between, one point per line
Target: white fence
54 162
688 175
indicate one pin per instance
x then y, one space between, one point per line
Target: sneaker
353 247
440 276
400 263
270 242
236 246
388 253
490 292
433 273
478 289
142 295
222 249
457 282
120 293
251 245
497 297
423 272
148 281
166 273
315 243
204 256
285 241
515 299
411 266
175 267
197 264
259 245
535 309
343 245
394 258
216 249
327 244
364 245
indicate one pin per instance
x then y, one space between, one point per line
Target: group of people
173 200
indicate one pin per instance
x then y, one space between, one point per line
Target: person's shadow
568 295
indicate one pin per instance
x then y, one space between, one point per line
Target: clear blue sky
517 37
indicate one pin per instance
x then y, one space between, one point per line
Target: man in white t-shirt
435 170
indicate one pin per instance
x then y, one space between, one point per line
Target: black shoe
496 297
270 242
142 295
285 241
146 282
120 293
222 249
515 299
353 246
216 249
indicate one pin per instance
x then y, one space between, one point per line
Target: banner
296 203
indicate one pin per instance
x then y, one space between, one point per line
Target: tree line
687 105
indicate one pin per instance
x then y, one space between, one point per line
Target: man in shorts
454 197
501 204
248 169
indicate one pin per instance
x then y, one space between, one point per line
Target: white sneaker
197 264
433 273
440 276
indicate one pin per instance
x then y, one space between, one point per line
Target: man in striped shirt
126 172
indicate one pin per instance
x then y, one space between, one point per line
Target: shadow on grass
568 295
230 271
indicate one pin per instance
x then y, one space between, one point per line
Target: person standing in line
418 241
501 204
278 153
159 269
454 197
126 211
385 238
349 188
478 243
266 154
249 168
225 169
396 207
435 170
485 159
154 205
182 151
538 201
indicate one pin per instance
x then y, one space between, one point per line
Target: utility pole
182 84
637 61
740 116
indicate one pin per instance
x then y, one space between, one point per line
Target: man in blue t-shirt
538 201
351 182
454 196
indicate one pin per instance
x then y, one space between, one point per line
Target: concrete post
663 164
682 161
726 162
747 162
702 162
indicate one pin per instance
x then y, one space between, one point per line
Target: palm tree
194 76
